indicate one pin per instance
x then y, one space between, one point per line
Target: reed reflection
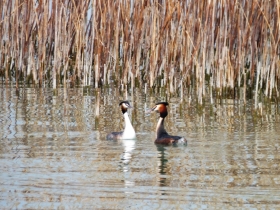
54 144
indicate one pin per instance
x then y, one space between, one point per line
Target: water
53 153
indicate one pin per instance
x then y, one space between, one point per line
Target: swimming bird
162 136
128 132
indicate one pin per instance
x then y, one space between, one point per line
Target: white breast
129 132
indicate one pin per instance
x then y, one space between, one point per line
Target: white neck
128 132
159 124
160 128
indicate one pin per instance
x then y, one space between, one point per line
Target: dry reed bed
226 44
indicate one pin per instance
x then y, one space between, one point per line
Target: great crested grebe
128 132
162 136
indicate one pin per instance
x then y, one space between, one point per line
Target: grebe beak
153 109
149 111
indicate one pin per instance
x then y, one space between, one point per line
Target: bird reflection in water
162 165
128 147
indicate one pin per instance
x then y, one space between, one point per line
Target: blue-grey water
53 152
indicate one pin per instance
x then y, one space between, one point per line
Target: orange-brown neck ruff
124 109
124 105
162 109
129 132
162 136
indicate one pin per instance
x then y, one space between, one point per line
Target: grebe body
162 136
128 132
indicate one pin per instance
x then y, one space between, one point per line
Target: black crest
124 106
164 103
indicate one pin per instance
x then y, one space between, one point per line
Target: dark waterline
54 154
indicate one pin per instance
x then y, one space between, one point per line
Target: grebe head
124 106
161 108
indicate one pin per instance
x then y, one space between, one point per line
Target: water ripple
53 154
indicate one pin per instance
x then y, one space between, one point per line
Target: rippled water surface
53 152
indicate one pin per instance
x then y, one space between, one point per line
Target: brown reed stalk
233 43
